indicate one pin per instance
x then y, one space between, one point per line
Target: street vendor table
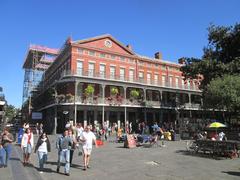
227 148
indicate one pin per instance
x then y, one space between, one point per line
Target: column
154 117
55 119
75 106
95 117
118 119
103 102
85 118
107 117
190 104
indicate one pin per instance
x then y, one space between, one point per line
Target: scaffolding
37 61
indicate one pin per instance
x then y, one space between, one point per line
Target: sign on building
36 115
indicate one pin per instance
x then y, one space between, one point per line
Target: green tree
10 112
224 93
221 56
219 68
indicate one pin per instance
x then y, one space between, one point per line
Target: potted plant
89 91
114 91
134 93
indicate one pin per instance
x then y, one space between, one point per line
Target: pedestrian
73 146
37 129
2 153
7 139
41 128
87 138
42 148
27 145
63 144
79 129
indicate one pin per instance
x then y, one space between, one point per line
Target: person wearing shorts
27 145
87 138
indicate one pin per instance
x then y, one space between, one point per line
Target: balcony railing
122 78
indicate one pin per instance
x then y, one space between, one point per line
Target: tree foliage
219 68
10 112
224 93
221 56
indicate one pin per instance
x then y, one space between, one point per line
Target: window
149 64
113 56
170 81
102 55
112 72
122 74
91 69
177 81
155 79
91 53
188 84
164 67
102 70
163 80
79 68
131 75
79 50
149 78
183 84
122 58
131 61
141 77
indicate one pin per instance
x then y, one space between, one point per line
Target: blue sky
176 28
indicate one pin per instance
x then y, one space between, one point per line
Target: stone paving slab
112 161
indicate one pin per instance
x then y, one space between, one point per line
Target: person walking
87 138
73 146
37 129
7 139
42 148
63 144
27 145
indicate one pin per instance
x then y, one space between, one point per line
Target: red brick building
101 80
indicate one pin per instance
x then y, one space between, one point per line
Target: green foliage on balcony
134 93
89 90
114 91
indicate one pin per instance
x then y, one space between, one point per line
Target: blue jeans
64 157
42 158
2 156
8 150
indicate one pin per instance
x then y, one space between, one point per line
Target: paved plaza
112 161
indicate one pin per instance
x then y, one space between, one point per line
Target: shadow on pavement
47 170
15 159
234 173
200 155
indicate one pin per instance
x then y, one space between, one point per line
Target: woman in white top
42 147
27 145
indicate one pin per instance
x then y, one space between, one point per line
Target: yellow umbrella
216 125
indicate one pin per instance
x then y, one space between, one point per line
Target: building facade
100 80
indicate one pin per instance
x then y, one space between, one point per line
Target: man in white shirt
87 138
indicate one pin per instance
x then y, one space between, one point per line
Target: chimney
158 55
129 46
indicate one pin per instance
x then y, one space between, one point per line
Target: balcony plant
134 93
114 91
89 91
